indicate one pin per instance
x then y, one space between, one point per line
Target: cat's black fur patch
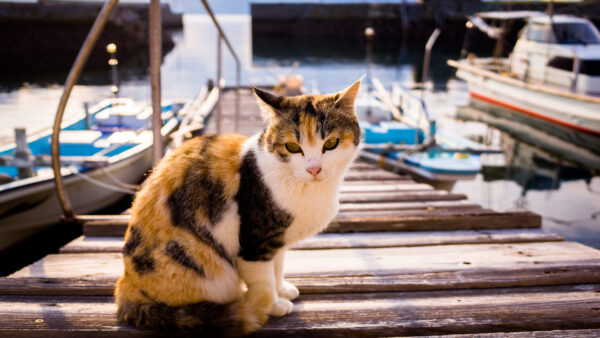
198 191
177 252
143 263
262 222
205 319
135 239
181 217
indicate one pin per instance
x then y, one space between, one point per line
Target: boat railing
402 112
155 30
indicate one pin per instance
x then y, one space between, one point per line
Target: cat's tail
246 315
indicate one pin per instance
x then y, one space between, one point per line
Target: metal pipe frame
219 55
155 61
237 64
72 78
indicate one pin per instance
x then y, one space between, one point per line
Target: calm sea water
569 204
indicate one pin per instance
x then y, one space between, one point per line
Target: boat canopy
496 32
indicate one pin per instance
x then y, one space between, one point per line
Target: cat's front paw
288 291
281 307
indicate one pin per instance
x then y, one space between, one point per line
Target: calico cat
209 229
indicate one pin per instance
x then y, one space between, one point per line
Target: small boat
405 139
103 154
551 79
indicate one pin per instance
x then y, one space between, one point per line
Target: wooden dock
400 258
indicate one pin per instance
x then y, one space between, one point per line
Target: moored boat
102 155
551 79
405 139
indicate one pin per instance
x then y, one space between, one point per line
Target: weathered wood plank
397 196
444 280
488 264
385 187
370 220
592 333
342 315
375 175
430 222
426 205
359 240
377 182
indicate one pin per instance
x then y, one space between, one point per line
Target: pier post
23 152
155 58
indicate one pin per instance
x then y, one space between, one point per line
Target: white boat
103 154
551 78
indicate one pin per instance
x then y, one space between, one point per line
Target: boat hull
31 209
31 205
563 115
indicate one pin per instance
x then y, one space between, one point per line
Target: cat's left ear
269 104
348 95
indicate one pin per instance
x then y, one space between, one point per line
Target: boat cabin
559 50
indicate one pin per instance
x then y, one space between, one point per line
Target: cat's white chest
312 209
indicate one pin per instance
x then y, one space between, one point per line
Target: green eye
293 148
331 144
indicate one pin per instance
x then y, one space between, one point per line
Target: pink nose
314 170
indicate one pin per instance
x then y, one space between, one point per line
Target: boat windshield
575 33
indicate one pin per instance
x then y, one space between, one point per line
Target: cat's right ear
269 104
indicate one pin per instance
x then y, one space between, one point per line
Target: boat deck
400 258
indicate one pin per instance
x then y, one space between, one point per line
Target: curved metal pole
72 78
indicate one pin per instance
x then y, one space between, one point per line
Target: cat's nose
314 170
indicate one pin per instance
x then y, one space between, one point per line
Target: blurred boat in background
103 155
551 79
402 137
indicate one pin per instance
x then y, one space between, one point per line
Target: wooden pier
400 258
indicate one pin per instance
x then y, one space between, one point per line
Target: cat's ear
269 104
347 96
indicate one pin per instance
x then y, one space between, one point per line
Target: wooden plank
371 182
379 175
403 220
342 315
456 221
420 313
444 266
443 280
384 187
424 205
592 333
373 217
412 196
359 240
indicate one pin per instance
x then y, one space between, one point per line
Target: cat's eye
293 148
331 144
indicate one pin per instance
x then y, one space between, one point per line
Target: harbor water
526 177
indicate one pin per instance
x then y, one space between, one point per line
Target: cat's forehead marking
309 120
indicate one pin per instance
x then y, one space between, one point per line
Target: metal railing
223 37
155 33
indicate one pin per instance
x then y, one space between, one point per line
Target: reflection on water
528 178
